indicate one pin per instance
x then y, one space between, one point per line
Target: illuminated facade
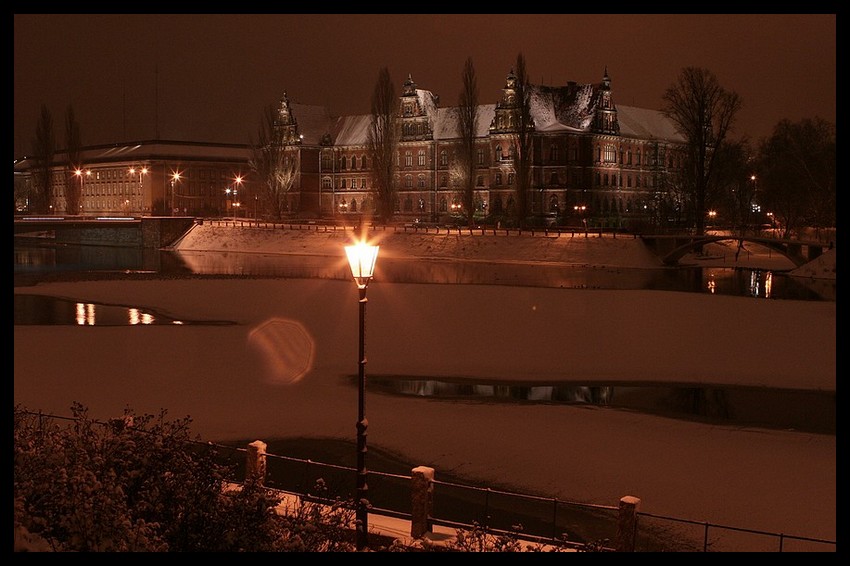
592 160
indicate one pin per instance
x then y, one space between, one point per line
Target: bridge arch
792 249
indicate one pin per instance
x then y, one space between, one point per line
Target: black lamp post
362 258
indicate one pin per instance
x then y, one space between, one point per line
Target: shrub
134 484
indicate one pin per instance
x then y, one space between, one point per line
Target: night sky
207 77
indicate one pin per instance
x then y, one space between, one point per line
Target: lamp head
362 258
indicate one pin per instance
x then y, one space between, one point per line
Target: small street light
580 208
362 258
175 177
79 173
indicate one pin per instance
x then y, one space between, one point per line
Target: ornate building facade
591 161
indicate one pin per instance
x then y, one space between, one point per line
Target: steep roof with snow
351 130
562 109
555 109
647 124
446 124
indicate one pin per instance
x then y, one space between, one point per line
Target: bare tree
468 125
73 143
44 149
735 185
525 129
382 144
704 113
274 161
797 166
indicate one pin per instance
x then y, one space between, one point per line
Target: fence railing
464 506
544 519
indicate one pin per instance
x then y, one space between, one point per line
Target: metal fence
465 506
545 519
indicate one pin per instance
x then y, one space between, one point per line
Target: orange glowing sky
206 77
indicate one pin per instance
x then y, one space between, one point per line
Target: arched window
353 206
553 204
480 181
422 158
354 162
510 178
498 179
342 162
363 163
408 159
363 183
443 204
444 180
444 157
408 181
420 182
480 156
326 182
498 153
605 179
342 183
408 204
553 153
512 151
610 153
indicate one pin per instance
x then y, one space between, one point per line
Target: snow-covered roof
555 109
647 124
562 109
352 130
446 122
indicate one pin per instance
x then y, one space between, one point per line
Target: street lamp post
175 177
141 171
79 173
580 208
362 258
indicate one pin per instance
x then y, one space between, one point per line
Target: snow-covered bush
135 484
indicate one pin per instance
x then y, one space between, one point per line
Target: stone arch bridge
671 248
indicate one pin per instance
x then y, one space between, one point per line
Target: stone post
422 500
255 463
627 524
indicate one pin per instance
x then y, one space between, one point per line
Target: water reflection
810 411
42 309
36 260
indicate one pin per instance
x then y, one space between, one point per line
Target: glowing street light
141 171
579 209
79 173
362 258
175 178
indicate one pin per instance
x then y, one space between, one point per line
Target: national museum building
592 160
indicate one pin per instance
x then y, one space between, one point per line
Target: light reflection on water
40 260
47 310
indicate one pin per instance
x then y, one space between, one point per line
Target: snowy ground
285 370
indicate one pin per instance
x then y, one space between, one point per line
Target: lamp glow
362 258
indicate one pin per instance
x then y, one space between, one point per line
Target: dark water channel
34 262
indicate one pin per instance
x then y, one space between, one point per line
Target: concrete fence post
255 463
627 524
422 500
